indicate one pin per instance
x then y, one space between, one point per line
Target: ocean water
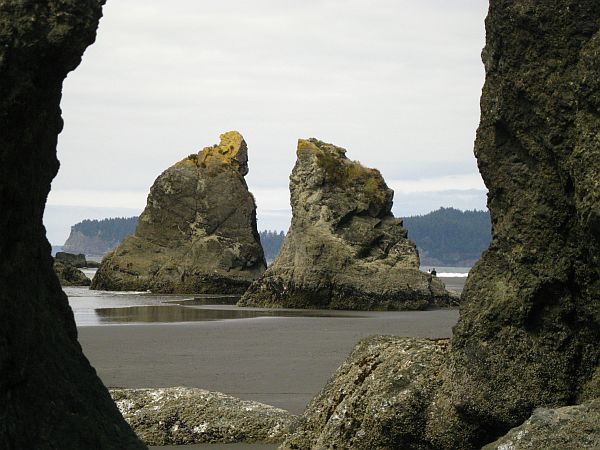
448 272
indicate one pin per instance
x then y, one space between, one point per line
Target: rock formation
69 275
198 231
50 396
71 259
181 416
569 427
529 324
374 398
344 249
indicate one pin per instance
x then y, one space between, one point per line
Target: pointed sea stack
198 231
344 249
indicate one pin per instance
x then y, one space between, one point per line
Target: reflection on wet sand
176 313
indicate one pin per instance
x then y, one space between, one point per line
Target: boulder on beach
181 416
529 326
373 399
198 232
344 249
67 265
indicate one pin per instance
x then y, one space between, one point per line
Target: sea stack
344 249
529 325
198 232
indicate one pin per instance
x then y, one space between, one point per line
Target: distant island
450 237
445 237
97 237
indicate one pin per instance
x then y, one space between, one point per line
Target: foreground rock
529 325
50 396
373 399
178 416
570 427
198 231
344 249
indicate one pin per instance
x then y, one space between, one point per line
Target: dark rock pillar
530 313
50 397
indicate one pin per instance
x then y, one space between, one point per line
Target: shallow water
107 308
176 313
110 308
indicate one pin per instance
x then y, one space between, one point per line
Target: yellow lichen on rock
232 150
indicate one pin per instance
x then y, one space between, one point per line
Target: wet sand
281 361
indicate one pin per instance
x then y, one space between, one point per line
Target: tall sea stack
198 232
344 249
50 396
529 323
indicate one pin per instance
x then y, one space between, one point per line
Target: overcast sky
397 83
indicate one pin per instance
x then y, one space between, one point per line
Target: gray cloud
396 83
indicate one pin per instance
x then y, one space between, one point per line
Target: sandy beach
281 361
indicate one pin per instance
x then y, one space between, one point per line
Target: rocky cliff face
198 231
90 245
529 324
50 397
344 249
